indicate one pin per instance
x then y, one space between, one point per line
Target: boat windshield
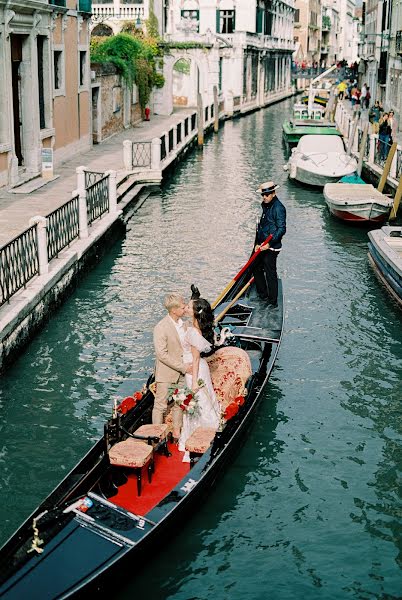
318 143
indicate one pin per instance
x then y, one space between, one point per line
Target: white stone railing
372 155
125 12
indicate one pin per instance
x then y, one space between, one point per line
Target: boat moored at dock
385 255
357 202
318 160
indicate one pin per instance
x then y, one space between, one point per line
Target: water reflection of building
44 90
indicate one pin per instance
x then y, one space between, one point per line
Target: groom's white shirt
179 325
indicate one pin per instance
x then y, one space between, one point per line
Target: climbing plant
151 23
134 57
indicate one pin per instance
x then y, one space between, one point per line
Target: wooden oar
240 273
235 299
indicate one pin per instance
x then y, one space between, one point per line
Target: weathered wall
113 107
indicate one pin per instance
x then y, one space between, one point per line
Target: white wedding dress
208 414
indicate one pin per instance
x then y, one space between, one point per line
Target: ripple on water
312 503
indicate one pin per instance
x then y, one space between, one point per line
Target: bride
199 338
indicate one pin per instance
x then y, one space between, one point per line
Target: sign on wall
47 163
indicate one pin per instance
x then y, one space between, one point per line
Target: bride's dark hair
205 317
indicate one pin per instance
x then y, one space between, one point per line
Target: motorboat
307 122
320 159
358 202
385 255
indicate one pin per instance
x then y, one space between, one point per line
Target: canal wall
42 266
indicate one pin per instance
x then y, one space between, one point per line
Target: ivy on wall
135 56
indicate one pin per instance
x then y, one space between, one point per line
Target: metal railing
97 199
92 177
142 154
19 263
62 227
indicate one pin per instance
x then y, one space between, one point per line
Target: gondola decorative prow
36 541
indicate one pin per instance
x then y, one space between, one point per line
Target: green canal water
311 506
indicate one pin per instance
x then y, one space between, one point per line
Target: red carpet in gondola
168 472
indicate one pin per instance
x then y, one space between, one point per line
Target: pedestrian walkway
17 209
364 119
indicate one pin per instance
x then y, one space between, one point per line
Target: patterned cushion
130 453
200 440
159 431
230 368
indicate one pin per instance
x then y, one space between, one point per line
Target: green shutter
218 21
260 13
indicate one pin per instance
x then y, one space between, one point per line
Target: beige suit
169 370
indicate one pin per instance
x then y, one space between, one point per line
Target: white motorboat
385 254
357 202
320 159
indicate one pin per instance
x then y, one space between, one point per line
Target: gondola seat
162 432
230 369
199 441
133 454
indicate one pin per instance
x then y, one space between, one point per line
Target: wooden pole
387 167
334 109
200 120
232 302
352 136
397 200
216 110
362 149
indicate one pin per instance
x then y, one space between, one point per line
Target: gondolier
272 221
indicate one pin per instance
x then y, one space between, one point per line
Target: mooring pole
387 166
216 110
200 120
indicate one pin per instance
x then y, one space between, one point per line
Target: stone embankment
73 219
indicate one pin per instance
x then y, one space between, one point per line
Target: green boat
294 130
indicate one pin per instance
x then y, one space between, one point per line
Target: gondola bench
135 453
199 442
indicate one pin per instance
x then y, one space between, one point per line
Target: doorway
16 82
96 133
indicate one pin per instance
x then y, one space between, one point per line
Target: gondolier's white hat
268 187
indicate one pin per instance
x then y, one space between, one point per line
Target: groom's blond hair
173 301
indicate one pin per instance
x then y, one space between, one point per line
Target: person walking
374 116
272 221
384 137
393 124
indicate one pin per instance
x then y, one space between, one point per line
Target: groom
169 367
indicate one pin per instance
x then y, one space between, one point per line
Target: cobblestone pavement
17 209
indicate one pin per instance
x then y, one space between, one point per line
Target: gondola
102 520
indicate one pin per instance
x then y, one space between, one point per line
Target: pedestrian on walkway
341 89
374 116
363 95
393 124
272 221
384 137
368 98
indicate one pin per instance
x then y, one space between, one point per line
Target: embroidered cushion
200 440
130 453
159 431
230 368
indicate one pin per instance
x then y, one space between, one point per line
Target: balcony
132 12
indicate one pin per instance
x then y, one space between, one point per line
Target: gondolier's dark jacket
273 220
